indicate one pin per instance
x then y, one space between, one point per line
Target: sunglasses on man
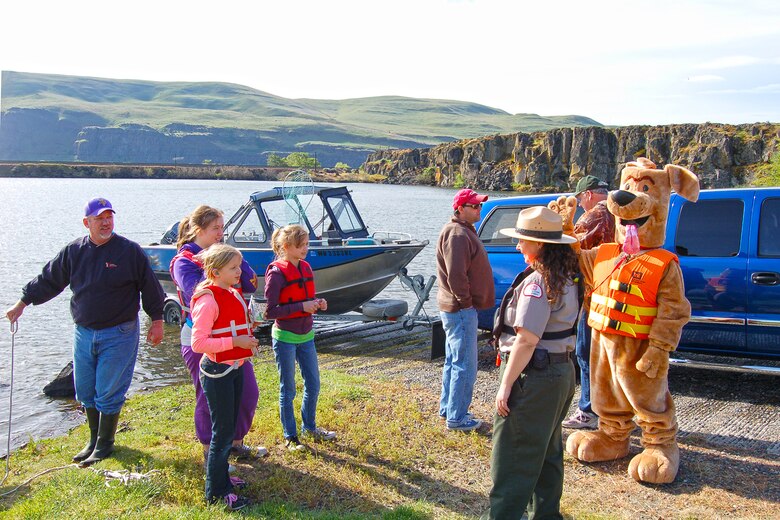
473 206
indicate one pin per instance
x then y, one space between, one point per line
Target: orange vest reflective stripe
624 300
232 320
299 285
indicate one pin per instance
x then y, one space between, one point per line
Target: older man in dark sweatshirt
465 286
106 273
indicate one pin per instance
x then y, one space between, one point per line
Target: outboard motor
170 236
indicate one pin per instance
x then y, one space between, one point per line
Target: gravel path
715 409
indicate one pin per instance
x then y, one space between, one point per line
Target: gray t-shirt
530 309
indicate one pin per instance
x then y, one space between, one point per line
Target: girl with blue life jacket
200 230
291 300
222 332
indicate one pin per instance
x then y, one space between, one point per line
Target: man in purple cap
465 285
106 272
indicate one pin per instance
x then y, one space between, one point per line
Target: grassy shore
372 470
393 457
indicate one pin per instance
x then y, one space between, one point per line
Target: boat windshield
345 213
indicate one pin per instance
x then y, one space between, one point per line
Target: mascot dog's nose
622 197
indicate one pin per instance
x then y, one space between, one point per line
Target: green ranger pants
527 459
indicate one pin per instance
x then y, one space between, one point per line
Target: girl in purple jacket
197 231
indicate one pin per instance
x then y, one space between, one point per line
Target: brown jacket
465 276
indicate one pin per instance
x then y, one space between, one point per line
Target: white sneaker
581 420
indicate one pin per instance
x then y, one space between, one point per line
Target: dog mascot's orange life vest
625 303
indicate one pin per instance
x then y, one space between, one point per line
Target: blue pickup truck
729 248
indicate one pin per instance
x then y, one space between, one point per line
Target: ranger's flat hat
539 224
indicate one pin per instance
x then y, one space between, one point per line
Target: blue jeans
582 350
286 354
103 363
460 364
223 396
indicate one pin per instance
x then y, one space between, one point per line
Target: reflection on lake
40 216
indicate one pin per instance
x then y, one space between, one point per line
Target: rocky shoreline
722 156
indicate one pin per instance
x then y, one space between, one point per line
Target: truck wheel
172 313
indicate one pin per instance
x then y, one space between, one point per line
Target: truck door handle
765 278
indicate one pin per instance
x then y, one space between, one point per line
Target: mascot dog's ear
683 182
642 162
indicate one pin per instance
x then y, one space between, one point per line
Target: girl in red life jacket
290 294
222 331
200 230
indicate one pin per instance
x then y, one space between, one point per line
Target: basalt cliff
552 161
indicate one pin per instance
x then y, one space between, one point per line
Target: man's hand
323 304
15 312
155 334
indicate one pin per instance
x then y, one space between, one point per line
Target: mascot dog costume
637 313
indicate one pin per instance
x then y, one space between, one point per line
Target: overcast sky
619 62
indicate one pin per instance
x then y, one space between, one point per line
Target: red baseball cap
467 196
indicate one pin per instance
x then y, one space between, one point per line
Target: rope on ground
123 476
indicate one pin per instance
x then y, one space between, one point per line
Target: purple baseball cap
97 206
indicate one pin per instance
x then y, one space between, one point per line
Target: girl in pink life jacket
222 332
199 230
290 294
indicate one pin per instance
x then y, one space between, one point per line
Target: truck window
501 217
769 229
710 228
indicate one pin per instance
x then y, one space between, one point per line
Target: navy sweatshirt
105 281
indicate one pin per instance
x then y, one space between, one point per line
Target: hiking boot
293 444
466 426
581 419
234 502
238 483
248 452
319 434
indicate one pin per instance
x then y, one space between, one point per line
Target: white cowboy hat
539 224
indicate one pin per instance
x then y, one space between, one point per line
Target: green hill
67 118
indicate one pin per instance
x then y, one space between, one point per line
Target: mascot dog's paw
595 447
656 464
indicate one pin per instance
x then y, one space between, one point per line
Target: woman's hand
323 304
502 400
247 342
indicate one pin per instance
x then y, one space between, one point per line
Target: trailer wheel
172 313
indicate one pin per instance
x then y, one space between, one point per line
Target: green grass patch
384 463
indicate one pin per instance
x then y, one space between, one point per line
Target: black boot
105 439
93 419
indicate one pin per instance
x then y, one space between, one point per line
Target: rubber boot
93 419
105 439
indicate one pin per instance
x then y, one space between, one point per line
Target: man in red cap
465 285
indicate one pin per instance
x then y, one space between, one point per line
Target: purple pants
246 411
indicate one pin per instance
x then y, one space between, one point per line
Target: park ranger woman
536 332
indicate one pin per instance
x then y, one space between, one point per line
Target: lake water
39 216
